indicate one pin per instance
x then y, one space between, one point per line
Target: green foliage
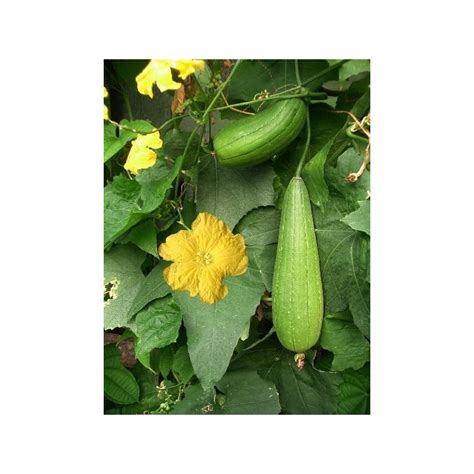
230 193
224 358
122 279
120 385
359 219
153 287
354 396
158 325
302 391
213 330
241 393
345 341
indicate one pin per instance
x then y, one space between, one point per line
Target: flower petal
229 255
179 247
187 67
211 288
150 140
183 276
157 71
139 158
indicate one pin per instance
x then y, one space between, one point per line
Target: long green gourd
257 138
297 298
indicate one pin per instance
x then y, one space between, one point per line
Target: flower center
203 258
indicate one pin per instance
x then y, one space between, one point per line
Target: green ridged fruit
297 298
257 138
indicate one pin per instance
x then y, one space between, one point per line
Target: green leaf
354 392
123 277
158 325
243 393
349 162
255 76
214 330
174 143
302 391
182 367
260 229
345 341
343 252
154 286
121 210
360 219
343 255
165 360
313 174
120 386
154 182
230 193
112 357
246 393
353 67
143 236
196 402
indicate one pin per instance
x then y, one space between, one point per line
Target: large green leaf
158 325
230 193
143 236
155 182
112 358
128 201
243 393
345 341
121 210
354 392
313 174
246 393
174 143
343 252
260 230
255 76
302 391
123 278
359 219
343 255
353 67
196 402
153 287
213 330
182 367
120 386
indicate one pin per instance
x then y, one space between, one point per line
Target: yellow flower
202 258
186 67
158 71
141 155
106 110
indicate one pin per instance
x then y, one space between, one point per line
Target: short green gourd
297 298
257 138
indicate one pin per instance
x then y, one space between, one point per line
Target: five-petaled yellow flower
141 154
106 110
158 71
202 257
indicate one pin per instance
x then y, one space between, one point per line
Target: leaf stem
297 72
325 71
